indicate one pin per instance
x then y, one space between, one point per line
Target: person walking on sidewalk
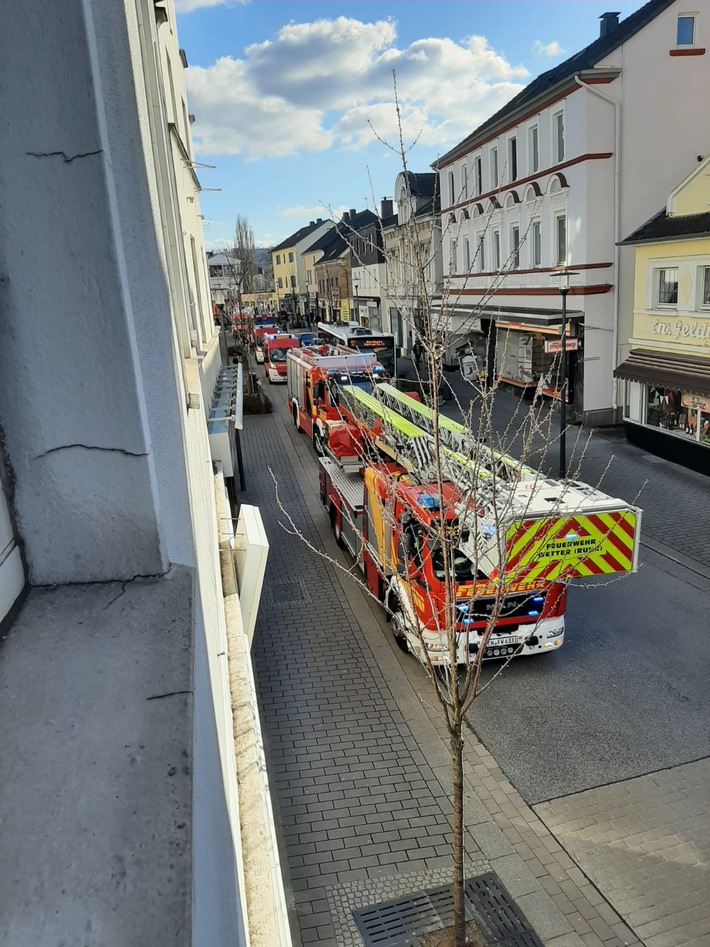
417 351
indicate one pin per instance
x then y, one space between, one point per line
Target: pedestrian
417 353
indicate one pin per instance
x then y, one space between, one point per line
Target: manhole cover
402 922
286 592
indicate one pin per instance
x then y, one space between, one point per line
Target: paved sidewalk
645 843
358 756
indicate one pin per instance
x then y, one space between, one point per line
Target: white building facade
557 178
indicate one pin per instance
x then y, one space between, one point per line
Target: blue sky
286 94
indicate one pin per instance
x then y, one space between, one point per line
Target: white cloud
552 48
318 85
187 6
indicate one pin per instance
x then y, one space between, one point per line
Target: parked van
275 349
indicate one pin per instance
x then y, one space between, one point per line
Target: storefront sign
683 330
555 345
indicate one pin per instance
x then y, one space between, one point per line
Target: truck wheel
294 412
396 616
336 523
318 442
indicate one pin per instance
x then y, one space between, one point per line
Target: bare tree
468 550
244 253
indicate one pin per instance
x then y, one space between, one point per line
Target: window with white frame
533 149
536 243
685 30
496 249
467 254
464 182
666 286
494 167
558 137
452 188
478 171
453 253
513 159
515 247
561 238
481 253
705 286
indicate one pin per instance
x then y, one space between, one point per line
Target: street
359 776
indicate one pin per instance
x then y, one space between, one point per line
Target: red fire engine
311 374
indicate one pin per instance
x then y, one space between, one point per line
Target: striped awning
686 373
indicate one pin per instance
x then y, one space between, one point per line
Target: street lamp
564 281
357 305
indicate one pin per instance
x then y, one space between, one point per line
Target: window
515 247
668 286
452 188
561 231
278 259
494 167
478 167
467 254
536 241
281 283
293 281
496 250
464 182
453 253
290 258
558 131
513 159
685 35
705 286
533 149
482 254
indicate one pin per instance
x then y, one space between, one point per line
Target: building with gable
556 178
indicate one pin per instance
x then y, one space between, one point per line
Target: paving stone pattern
355 796
361 816
645 843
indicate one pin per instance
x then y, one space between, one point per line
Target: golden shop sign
682 330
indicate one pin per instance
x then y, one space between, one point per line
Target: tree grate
487 903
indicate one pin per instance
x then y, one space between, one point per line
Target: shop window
665 409
685 33
634 401
667 286
705 286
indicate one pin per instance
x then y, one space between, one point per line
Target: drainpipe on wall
617 221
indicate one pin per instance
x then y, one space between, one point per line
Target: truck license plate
497 642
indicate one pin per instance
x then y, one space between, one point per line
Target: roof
323 242
335 249
299 235
586 58
666 227
422 184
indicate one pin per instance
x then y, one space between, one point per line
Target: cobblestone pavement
645 843
357 755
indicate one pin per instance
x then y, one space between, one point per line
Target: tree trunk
457 833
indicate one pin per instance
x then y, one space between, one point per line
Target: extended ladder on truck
532 528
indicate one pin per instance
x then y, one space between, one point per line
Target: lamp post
357 304
564 281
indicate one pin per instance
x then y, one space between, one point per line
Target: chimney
386 207
353 212
608 23
311 223
319 220
346 216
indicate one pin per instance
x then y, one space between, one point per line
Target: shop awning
686 373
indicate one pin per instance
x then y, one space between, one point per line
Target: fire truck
313 373
276 348
508 540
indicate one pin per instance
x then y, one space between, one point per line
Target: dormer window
685 35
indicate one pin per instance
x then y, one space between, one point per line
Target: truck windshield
463 567
359 381
277 355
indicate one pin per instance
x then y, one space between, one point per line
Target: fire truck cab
276 348
313 375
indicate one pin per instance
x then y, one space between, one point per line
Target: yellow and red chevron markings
571 546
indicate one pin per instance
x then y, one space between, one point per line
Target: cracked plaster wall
88 373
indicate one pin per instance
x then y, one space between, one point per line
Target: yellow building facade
667 368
